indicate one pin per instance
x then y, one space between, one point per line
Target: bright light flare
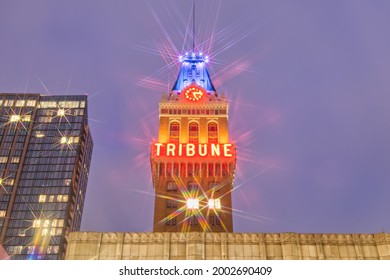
15 118
214 204
193 203
61 112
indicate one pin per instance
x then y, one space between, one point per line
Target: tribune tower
193 162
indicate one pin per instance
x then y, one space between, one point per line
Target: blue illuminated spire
193 70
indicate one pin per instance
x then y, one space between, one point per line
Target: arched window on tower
193 132
212 131
174 132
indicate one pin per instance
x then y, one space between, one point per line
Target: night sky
308 84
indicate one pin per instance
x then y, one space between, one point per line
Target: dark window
172 204
192 221
214 221
171 222
171 186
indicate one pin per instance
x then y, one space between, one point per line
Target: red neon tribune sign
193 150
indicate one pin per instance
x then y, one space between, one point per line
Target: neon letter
215 151
158 146
171 149
180 150
204 152
190 150
226 150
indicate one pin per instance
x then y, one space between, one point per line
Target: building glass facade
45 154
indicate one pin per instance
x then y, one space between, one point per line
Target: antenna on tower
193 25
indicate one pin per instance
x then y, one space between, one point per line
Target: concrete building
226 246
45 154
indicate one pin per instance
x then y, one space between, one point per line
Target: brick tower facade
193 162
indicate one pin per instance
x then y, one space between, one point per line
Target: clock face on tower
194 93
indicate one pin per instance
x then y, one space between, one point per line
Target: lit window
51 198
1 181
61 112
62 198
55 231
45 119
69 140
68 182
39 134
16 250
15 118
15 160
60 223
27 118
52 249
214 203
46 223
48 104
212 130
193 132
45 232
174 132
69 104
218 204
9 182
8 103
30 249
2 213
36 223
31 103
19 103
193 203
3 159
42 198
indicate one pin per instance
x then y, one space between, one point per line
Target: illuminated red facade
193 162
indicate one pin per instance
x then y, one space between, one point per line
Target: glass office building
45 154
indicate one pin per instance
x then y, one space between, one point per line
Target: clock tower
193 162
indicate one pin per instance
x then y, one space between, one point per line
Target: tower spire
193 25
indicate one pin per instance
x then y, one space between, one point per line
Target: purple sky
308 84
